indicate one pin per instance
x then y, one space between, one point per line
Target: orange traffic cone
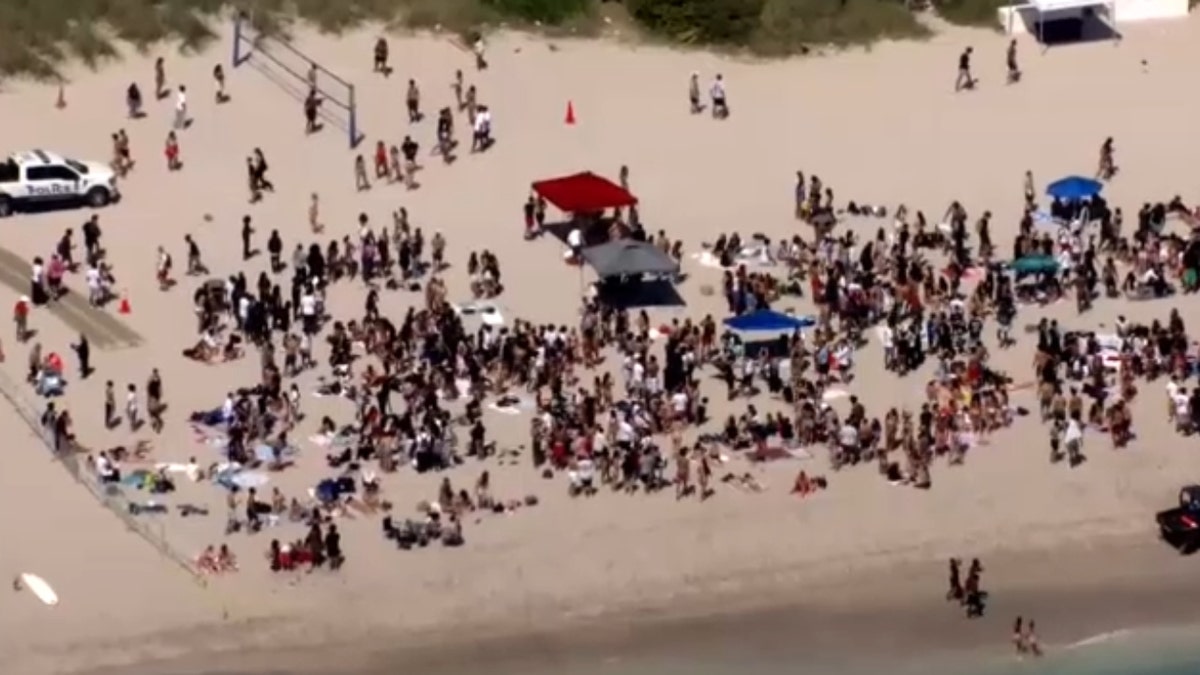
124 307
62 98
570 113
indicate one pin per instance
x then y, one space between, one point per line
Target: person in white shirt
1074 440
181 108
131 407
94 285
720 107
575 243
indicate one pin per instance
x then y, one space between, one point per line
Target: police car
37 179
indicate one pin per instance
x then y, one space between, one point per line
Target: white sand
879 127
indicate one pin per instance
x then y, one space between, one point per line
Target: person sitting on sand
206 562
225 560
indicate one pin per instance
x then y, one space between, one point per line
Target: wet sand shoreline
851 621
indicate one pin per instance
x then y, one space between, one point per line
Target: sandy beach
1075 547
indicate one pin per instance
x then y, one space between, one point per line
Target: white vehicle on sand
39 179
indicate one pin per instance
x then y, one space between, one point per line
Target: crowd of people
420 382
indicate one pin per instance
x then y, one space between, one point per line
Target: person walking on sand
1014 71
1018 635
219 78
955 591
1108 166
964 79
457 87
181 109
252 181
314 214
195 266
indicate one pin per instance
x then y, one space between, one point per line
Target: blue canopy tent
768 321
1073 188
766 331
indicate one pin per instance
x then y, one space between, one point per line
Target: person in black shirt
409 149
247 233
1014 71
91 239
964 81
312 104
333 548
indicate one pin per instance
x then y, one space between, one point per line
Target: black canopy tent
633 273
629 258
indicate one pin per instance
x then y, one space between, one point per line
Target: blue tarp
1074 187
768 320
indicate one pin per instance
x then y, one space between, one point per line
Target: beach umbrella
1035 264
1074 187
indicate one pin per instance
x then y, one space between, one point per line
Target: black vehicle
1180 526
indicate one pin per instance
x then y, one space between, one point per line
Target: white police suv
37 179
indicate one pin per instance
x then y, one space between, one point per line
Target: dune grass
38 36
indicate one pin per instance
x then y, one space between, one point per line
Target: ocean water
1160 651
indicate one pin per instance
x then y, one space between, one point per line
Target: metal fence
111 496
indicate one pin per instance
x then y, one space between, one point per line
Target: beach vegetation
980 13
37 36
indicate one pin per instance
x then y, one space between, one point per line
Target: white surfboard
39 587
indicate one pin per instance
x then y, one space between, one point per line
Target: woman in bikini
171 151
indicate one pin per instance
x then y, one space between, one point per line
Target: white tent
1044 8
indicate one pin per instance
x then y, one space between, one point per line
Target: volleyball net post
287 67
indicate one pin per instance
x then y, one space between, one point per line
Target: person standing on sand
360 174
314 214
154 398
694 93
964 80
21 318
381 57
412 100
1108 166
720 105
160 79
1014 72
1030 639
110 405
1018 635
247 234
312 104
132 413
457 87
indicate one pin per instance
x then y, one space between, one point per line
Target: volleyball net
289 68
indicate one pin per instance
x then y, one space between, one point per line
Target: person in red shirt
21 318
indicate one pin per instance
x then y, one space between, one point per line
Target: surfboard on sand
38 586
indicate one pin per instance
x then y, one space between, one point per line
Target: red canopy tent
583 193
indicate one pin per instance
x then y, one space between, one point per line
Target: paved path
103 330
